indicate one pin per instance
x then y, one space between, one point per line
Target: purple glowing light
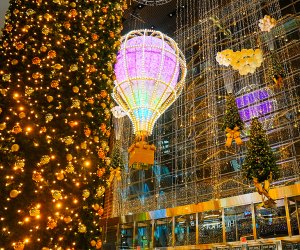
147 74
257 103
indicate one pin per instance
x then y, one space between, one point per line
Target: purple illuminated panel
258 103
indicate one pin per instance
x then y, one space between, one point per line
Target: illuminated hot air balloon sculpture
150 73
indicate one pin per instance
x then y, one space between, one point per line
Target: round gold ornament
13 193
34 212
49 117
50 98
45 159
93 243
2 126
60 176
21 115
75 89
14 62
52 224
15 148
37 176
69 157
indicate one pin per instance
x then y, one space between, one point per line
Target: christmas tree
56 75
232 121
260 165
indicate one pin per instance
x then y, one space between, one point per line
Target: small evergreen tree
260 161
232 117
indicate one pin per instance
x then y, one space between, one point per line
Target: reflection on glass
238 223
294 208
210 227
185 230
111 237
271 222
163 232
144 230
126 236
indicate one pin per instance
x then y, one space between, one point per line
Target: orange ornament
36 60
52 224
87 131
98 244
17 129
103 93
67 25
19 45
52 54
72 124
95 37
101 172
37 176
73 13
8 27
111 34
90 68
54 84
36 75
90 100
103 127
104 9
100 211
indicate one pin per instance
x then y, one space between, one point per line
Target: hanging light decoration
153 2
150 73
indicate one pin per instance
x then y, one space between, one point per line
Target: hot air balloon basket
141 155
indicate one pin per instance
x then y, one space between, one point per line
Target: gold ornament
45 31
107 161
14 62
68 140
86 193
19 164
50 98
43 49
60 176
96 207
96 139
49 117
73 4
75 89
36 75
95 37
56 194
70 168
89 82
45 159
30 12
19 246
89 12
100 191
93 243
76 103
6 77
69 157
2 126
89 114
8 27
34 212
57 66
29 91
101 153
90 100
81 40
83 145
15 148
74 67
13 193
82 228
21 115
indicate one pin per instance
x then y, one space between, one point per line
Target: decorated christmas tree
233 123
260 165
56 75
